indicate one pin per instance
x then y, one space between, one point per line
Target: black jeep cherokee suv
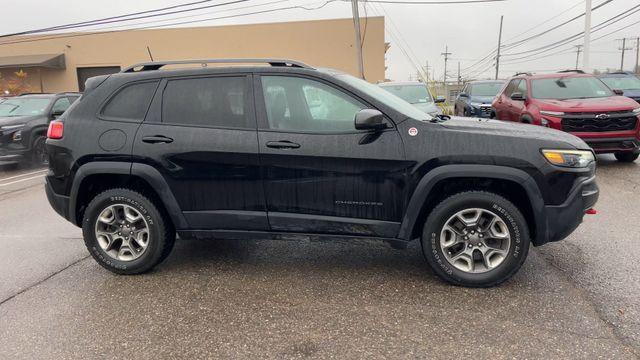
23 125
286 149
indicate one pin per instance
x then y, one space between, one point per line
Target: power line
121 18
432 2
166 25
546 21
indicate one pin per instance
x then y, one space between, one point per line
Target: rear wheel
125 232
39 156
626 157
476 239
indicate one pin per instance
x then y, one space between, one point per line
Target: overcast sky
469 30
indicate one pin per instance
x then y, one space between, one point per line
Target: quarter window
209 101
299 104
131 102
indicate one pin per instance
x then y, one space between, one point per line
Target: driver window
60 105
300 104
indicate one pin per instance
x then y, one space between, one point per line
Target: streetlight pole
587 37
499 44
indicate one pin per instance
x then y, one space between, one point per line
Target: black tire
492 115
465 113
39 155
505 210
526 120
161 232
626 157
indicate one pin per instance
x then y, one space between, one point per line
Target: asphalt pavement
318 299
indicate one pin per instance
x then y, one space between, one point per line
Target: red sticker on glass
413 131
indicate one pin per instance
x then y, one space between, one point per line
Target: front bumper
482 111
610 145
11 156
563 219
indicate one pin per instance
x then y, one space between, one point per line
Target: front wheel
626 157
475 239
125 232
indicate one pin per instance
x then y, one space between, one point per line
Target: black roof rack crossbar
156 65
523 73
577 71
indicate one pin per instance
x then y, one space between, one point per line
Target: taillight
56 130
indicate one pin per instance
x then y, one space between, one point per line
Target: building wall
320 43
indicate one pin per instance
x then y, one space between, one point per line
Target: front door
320 173
201 134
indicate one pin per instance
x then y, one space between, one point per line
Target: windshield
569 88
622 83
485 89
413 94
386 97
23 107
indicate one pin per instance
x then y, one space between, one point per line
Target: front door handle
157 139
285 144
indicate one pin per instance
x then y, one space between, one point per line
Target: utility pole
426 70
578 48
637 69
587 36
624 44
459 78
499 44
446 54
623 48
358 43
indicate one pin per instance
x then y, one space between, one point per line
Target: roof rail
523 73
577 71
156 65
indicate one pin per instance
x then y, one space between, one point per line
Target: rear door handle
157 139
285 144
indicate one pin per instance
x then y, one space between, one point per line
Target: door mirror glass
463 95
618 92
369 119
440 99
517 96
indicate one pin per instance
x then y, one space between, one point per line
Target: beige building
62 62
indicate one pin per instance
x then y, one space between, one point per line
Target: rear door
321 175
201 135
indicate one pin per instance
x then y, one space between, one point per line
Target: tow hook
591 211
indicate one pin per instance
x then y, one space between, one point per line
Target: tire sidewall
39 140
146 209
515 222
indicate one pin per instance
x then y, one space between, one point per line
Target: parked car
475 98
577 103
23 125
627 82
415 93
230 152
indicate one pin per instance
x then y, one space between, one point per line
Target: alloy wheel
122 232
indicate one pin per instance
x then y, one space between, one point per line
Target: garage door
86 72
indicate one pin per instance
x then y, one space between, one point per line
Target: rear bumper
59 203
563 219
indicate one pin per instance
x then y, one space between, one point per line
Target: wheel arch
95 177
514 184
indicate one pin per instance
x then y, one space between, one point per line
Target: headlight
636 111
552 113
17 136
544 122
569 158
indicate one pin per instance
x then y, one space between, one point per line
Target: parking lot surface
319 299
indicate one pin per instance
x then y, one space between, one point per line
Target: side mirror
56 113
618 92
463 95
440 99
369 119
517 96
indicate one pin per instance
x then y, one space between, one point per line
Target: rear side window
209 101
130 102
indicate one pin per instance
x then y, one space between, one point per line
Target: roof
52 61
499 81
553 75
401 83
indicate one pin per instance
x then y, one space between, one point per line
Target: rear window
130 102
209 101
